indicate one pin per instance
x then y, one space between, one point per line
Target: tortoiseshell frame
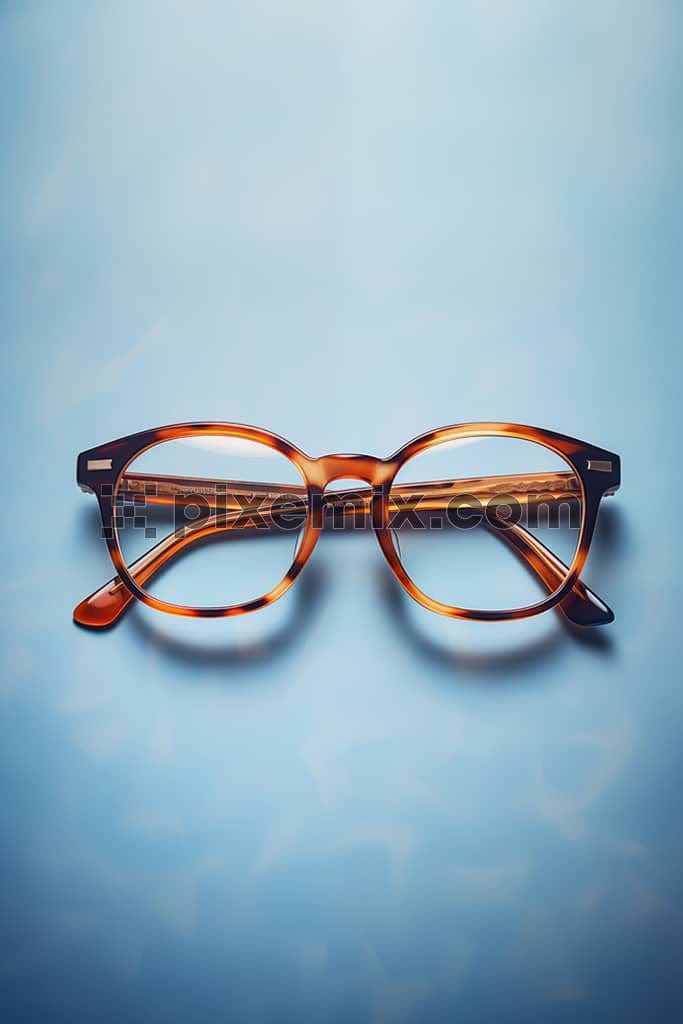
597 471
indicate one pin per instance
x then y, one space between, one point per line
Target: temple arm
235 504
526 488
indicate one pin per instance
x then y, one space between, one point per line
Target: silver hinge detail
99 464
600 467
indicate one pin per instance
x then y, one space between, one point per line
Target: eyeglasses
484 521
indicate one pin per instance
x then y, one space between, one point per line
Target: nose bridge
372 470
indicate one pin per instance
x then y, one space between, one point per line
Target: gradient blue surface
347 223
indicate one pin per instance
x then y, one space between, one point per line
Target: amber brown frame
102 471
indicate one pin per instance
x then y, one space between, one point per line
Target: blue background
348 223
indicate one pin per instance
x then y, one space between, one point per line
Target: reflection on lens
209 521
479 523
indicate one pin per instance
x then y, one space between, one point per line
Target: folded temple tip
103 608
585 608
87 617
